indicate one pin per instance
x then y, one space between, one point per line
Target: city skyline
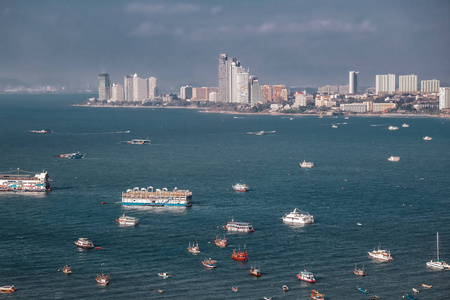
293 43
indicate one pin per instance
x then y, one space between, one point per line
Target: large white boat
306 164
240 187
438 264
306 276
380 254
239 226
24 181
394 158
149 197
127 221
393 127
298 217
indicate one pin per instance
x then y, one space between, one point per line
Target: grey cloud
147 8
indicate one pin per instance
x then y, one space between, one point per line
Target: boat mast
437 244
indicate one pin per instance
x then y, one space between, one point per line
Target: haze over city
296 43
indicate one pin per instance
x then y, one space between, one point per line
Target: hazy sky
297 43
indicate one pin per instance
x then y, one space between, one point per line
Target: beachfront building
429 86
353 82
385 84
407 83
116 92
444 97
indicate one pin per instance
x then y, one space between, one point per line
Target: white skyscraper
444 97
353 82
255 92
385 84
116 92
140 88
152 88
407 83
429 86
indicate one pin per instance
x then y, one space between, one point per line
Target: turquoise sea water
400 205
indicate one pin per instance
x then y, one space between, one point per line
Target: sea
360 201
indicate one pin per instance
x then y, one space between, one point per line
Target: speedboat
102 279
334 126
76 155
239 187
306 276
427 286
404 125
7 289
359 272
84 243
427 138
438 264
164 275
316 295
67 270
209 263
240 255
298 217
394 158
194 248
127 221
362 290
220 242
380 254
306 164
393 128
255 271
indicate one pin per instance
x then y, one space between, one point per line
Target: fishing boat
316 295
209 263
359 271
299 217
76 155
427 286
438 264
194 248
285 288
240 255
221 242
306 276
164 275
239 187
255 271
404 125
415 290
102 279
84 243
394 158
67 270
362 290
234 289
427 138
8 289
408 296
127 221
393 128
137 142
381 254
239 226
306 164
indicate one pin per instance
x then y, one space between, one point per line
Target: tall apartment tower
429 86
254 91
226 79
407 83
116 92
385 84
152 87
104 87
128 88
186 92
444 97
353 82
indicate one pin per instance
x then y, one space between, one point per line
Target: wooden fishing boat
67 270
209 263
408 296
194 249
234 289
362 290
359 271
240 255
255 271
427 286
102 279
221 242
316 295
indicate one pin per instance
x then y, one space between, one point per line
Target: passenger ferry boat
194 248
393 127
67 270
84 243
137 142
209 263
438 264
298 218
102 279
76 155
394 158
149 197
427 138
239 187
240 255
306 164
7 289
306 276
238 226
315 295
381 254
221 242
255 271
127 221
24 181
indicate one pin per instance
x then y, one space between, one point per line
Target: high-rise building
152 88
407 83
268 92
104 87
255 92
385 84
128 88
242 94
202 93
353 82
300 99
225 77
279 93
186 92
444 97
140 88
429 86
116 92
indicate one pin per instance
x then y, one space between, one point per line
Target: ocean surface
400 205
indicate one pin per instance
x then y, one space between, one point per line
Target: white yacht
128 221
438 264
299 217
393 127
394 158
306 164
381 254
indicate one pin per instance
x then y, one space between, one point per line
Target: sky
296 43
